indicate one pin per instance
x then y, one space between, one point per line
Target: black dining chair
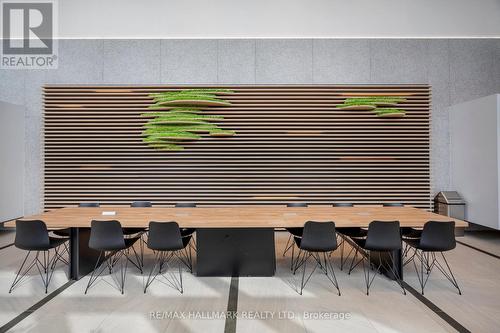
406 232
139 231
318 239
33 236
393 204
166 241
383 237
141 204
345 233
437 237
185 232
89 204
294 232
107 237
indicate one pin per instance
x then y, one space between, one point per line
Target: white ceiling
278 18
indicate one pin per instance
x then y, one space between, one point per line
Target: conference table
231 240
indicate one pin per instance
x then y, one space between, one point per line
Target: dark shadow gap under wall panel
291 144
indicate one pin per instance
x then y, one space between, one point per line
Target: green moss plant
169 126
378 104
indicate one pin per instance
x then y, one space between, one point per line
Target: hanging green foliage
380 105
181 118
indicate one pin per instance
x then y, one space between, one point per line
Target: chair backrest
342 204
383 236
164 236
106 235
296 204
438 236
393 204
31 235
319 236
88 204
185 205
138 204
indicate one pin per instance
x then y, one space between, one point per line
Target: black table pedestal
235 252
82 259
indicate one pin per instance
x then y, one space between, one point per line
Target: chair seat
187 231
62 232
298 241
353 232
408 232
56 241
415 243
133 231
53 243
296 232
128 242
361 242
170 247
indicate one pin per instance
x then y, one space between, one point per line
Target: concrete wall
458 70
12 161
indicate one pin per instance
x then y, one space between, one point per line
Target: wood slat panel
291 144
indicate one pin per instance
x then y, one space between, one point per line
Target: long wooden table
231 240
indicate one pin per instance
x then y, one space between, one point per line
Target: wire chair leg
392 268
19 276
287 246
334 280
450 277
303 275
180 277
123 269
92 278
153 268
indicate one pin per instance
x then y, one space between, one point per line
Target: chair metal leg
141 248
161 260
333 278
366 270
288 245
299 260
352 266
123 269
420 275
20 276
425 258
302 284
139 264
394 271
382 264
366 273
185 258
153 268
342 253
447 272
45 268
93 278
324 263
180 277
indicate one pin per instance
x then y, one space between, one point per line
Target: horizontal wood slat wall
291 144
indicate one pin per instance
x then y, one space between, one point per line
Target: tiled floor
485 240
264 304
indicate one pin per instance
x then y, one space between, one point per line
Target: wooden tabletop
271 216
